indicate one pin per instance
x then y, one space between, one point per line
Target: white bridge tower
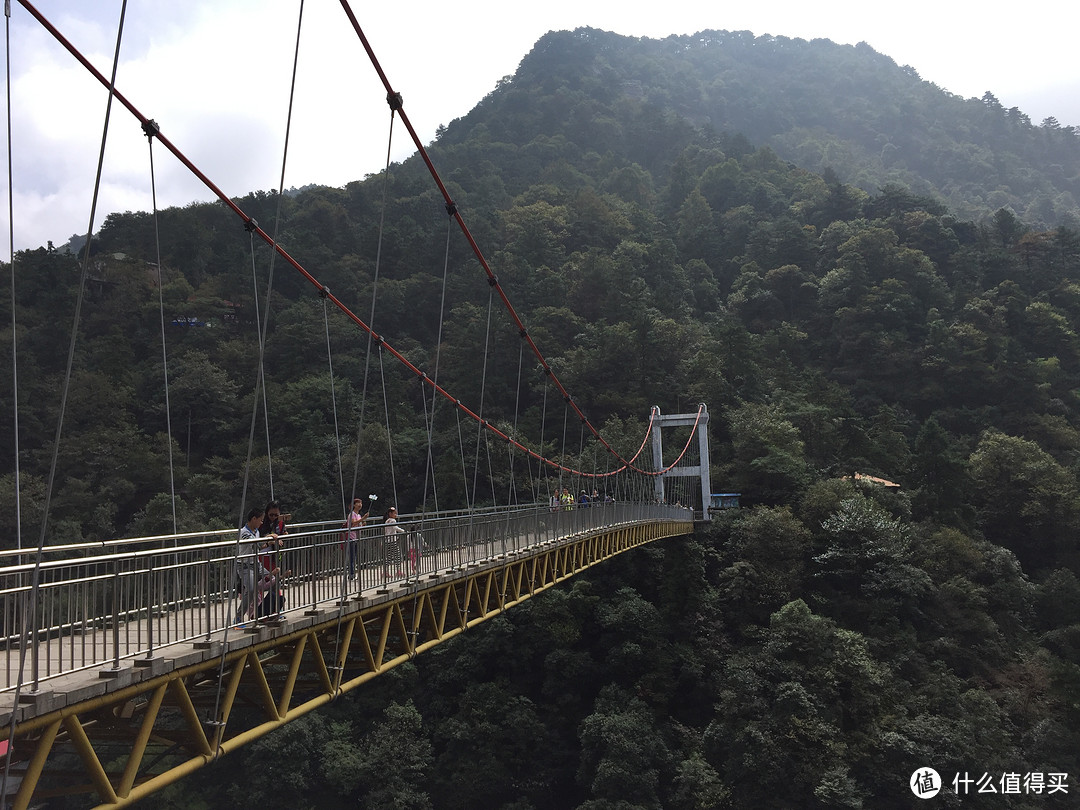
700 470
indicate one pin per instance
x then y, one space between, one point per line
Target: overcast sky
215 75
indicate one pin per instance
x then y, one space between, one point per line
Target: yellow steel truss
125 744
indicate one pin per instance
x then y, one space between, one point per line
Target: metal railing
100 603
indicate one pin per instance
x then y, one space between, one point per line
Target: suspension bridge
127 663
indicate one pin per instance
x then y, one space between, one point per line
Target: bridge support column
700 470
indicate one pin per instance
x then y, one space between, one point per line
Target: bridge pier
699 470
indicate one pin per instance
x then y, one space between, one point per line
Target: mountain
651 258
820 105
815 648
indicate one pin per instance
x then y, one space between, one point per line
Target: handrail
94 610
294 528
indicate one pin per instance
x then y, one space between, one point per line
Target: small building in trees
718 501
873 479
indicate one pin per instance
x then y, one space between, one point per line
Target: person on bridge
357 518
273 526
274 522
271 588
248 567
392 542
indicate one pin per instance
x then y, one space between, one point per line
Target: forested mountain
812 649
820 105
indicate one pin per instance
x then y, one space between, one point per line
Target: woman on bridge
248 567
392 543
357 518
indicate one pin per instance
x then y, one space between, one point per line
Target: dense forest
840 308
820 105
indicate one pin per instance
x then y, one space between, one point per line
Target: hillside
820 105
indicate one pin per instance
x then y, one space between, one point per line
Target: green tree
697 786
796 714
388 767
776 545
868 552
768 453
202 399
696 234
1026 501
490 748
939 474
622 755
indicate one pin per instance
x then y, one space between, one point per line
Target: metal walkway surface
118 702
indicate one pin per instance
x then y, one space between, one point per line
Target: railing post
313 566
116 614
505 531
207 599
150 607
32 638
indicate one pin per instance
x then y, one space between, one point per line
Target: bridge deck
115 667
123 727
173 607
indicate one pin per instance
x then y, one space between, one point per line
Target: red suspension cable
394 99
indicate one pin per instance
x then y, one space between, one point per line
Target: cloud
216 76
217 81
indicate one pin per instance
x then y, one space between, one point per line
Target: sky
216 76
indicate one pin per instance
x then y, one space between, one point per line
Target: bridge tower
700 470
